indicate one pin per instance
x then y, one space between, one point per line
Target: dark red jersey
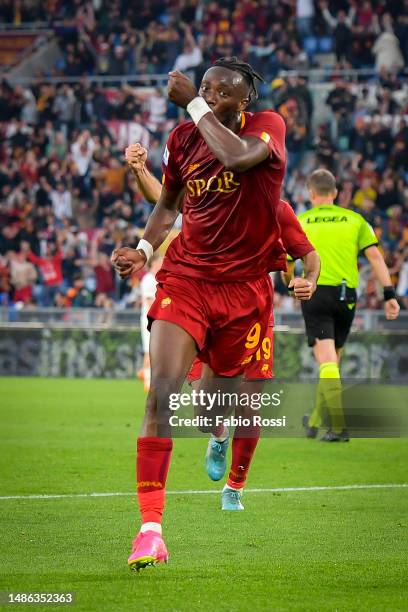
230 229
293 238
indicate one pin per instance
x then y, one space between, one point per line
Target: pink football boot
147 549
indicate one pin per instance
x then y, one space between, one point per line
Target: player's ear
335 193
244 103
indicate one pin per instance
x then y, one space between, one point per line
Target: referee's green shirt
338 235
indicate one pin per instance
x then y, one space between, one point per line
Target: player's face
225 91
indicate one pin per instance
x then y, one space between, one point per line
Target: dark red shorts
230 322
259 366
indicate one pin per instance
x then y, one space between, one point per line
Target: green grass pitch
302 550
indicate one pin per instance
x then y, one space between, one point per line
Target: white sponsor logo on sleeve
166 155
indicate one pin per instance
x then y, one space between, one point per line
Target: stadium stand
335 71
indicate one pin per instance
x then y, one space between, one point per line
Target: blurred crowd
113 37
66 198
361 136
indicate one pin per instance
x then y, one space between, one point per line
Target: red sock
152 465
243 450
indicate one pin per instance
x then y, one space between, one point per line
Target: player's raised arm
126 260
226 90
169 197
135 156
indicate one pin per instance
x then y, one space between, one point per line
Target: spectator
304 17
71 263
60 133
326 152
104 275
118 63
50 267
387 53
9 240
295 135
113 175
22 275
388 194
341 30
64 106
157 109
191 56
341 99
57 147
103 301
61 201
79 294
364 193
82 151
28 233
5 287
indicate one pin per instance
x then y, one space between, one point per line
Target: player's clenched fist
135 156
180 89
127 261
302 288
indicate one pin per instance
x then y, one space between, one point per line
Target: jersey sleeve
366 236
269 127
172 179
293 237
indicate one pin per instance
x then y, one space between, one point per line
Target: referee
338 235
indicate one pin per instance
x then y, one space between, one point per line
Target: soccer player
147 293
294 242
214 291
338 235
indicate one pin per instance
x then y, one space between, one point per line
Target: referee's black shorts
329 314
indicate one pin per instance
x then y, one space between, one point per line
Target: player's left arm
382 274
234 152
290 272
303 287
136 156
297 244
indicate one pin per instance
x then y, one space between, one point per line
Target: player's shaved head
321 182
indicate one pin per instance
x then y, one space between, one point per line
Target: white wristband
197 108
147 249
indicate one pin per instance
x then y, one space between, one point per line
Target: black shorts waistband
337 290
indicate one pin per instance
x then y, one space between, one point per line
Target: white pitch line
214 492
